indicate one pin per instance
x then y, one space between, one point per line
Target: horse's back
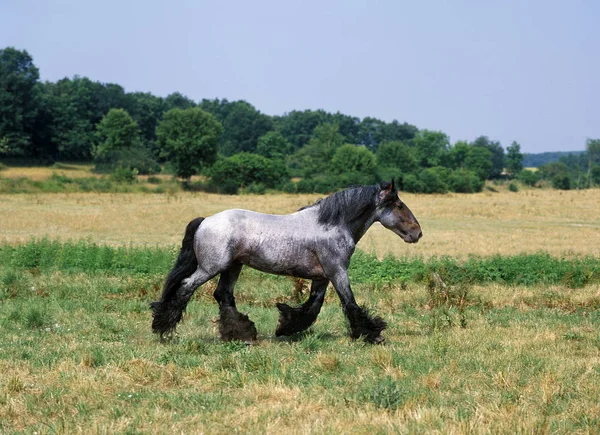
281 244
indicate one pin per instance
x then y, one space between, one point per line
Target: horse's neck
359 227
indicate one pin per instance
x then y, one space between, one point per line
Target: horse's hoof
378 340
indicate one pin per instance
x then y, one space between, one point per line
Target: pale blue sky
524 70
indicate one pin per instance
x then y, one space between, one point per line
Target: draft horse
314 243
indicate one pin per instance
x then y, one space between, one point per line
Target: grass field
77 355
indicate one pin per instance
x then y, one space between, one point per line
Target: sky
512 70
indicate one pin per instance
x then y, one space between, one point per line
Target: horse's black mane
346 205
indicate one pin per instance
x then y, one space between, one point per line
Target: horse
314 243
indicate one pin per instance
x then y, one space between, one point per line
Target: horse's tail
168 310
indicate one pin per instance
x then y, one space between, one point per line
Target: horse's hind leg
293 320
169 310
233 325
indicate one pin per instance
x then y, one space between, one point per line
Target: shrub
306 185
131 158
244 169
413 184
530 178
513 187
561 181
154 180
289 187
255 188
352 158
464 181
434 180
124 175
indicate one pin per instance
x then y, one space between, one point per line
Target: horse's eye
400 206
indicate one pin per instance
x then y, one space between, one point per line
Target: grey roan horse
314 243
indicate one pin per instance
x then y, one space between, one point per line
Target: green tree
457 155
314 158
514 159
71 126
188 138
242 125
273 146
18 100
178 101
431 148
351 158
371 133
394 131
479 161
347 125
497 157
116 131
73 108
593 152
146 109
298 126
119 146
396 155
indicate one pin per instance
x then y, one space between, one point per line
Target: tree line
233 144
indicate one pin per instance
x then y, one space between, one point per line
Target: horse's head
395 215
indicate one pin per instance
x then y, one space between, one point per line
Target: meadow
512 344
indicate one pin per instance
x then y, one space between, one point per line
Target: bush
124 175
529 178
513 187
562 182
153 180
413 184
594 175
430 180
464 181
132 158
353 159
255 188
244 169
289 187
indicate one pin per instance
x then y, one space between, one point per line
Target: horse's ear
387 188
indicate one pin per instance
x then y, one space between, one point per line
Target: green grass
57 183
533 269
78 353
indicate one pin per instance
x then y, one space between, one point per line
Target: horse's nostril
420 234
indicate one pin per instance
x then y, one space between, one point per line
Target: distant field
458 225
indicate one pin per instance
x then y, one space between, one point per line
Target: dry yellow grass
37 173
558 222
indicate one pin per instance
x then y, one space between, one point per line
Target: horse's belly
302 265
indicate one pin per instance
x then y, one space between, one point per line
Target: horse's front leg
361 323
233 325
296 319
